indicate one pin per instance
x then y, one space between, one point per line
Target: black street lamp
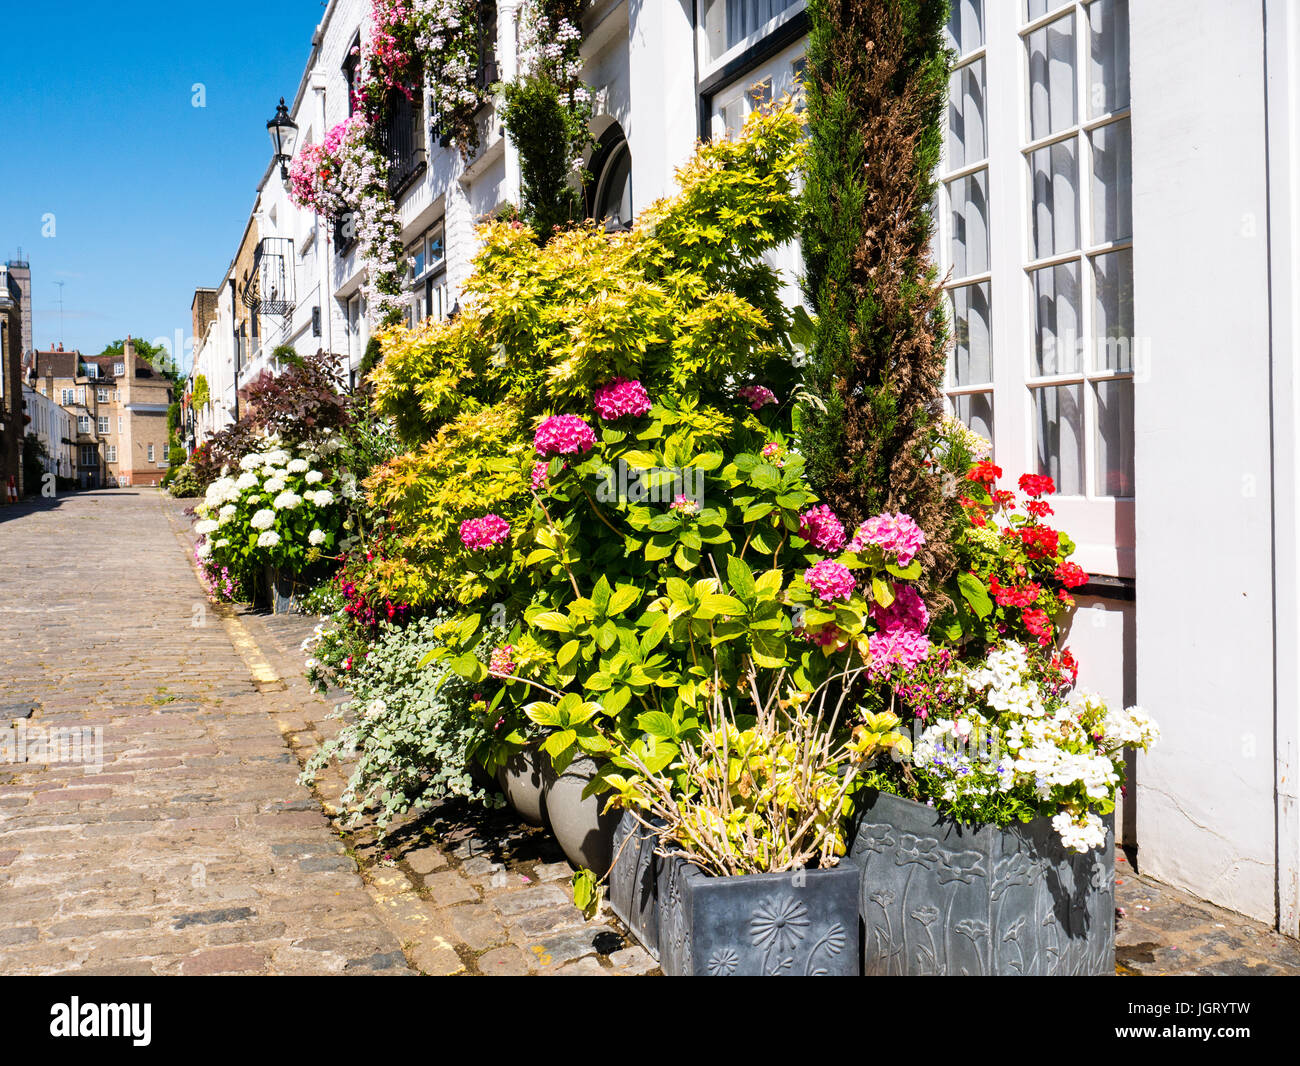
284 136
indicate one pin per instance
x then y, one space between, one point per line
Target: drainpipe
508 71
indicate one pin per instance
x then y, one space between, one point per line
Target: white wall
1204 543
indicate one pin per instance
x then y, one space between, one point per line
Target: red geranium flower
1037 622
1041 542
1071 575
984 472
1037 485
1039 508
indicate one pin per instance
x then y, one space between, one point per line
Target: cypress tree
876 80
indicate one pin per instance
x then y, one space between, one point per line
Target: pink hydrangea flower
900 638
820 528
621 397
539 476
897 534
479 534
774 453
564 435
757 396
830 580
502 661
683 504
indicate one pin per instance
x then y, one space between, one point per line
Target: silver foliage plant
409 730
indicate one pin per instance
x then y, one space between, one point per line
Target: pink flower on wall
479 534
621 397
896 534
564 435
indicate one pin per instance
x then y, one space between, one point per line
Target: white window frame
111 455
102 423
1102 526
69 397
83 423
101 395
709 66
119 369
151 453
777 76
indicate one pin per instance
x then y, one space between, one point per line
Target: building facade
118 411
52 426
1118 224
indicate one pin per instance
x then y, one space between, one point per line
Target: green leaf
587 892
741 579
623 598
657 724
974 593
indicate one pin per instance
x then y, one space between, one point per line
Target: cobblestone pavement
195 850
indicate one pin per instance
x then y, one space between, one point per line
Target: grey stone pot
282 591
585 834
522 781
802 923
633 893
941 898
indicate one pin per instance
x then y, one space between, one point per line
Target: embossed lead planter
633 882
937 897
801 923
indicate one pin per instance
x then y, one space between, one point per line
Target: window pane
1115 438
1112 182
965 25
1112 326
1035 8
1059 434
1108 70
967 142
1056 319
1051 78
976 410
970 224
971 362
1055 174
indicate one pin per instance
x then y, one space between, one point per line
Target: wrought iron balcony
269 289
401 138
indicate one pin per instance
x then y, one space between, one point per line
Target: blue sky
148 194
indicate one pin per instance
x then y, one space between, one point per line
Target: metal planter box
937 897
799 923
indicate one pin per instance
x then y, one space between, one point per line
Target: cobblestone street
193 850
185 845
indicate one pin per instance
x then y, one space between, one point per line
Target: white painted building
52 425
1118 223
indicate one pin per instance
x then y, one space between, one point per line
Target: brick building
119 418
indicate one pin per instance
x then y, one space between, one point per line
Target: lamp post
284 136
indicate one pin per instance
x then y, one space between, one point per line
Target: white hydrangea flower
203 549
321 497
315 538
205 527
269 539
250 462
287 501
247 480
226 513
298 466
274 485
222 543
264 519
314 477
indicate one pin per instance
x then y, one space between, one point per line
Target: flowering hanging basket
937 897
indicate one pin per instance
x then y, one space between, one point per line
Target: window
83 423
119 369
119 423
1034 232
81 394
151 453
610 195
101 395
728 23
92 370
67 399
112 453
103 425
162 455
401 138
89 455
350 66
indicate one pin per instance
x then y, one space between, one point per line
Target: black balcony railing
401 138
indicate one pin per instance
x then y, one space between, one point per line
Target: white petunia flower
264 519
